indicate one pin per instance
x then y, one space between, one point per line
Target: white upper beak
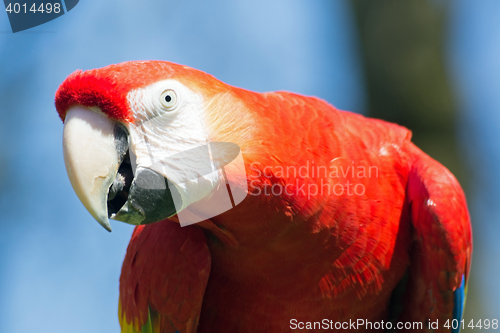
91 158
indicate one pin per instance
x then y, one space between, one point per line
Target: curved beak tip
105 223
91 159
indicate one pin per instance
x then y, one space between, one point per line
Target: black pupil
168 98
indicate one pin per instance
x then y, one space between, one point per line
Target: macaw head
144 140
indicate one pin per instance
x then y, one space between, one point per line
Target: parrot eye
168 99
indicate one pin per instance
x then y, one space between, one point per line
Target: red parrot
346 225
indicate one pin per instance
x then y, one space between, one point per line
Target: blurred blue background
59 269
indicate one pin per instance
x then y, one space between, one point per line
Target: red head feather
108 87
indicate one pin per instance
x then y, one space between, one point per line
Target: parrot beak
93 147
98 162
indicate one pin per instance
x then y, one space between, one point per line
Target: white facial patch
169 139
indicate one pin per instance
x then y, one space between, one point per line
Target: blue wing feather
459 302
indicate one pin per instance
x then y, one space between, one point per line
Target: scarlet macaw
345 220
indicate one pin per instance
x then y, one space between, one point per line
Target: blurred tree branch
403 46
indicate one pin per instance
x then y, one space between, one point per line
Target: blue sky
474 58
59 269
